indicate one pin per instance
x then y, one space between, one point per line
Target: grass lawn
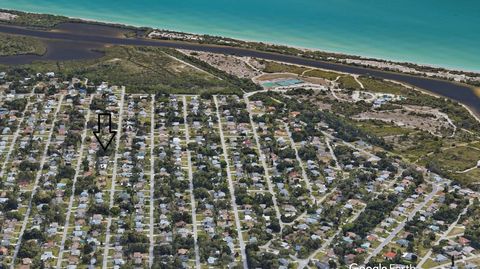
322 74
274 67
456 231
421 250
475 144
430 263
320 256
200 217
381 129
453 160
417 147
459 158
348 82
472 176
401 218
375 244
381 86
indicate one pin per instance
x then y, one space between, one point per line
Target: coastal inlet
74 42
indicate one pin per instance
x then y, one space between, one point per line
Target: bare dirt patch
242 67
4 16
422 118
313 80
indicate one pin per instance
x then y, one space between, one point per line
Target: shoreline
472 112
475 115
459 92
305 49
365 57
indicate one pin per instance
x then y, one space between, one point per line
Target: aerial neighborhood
263 180
131 147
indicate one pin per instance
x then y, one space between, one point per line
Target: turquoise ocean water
438 32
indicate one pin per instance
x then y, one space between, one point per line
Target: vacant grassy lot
348 82
470 179
473 175
274 67
18 45
376 85
417 147
372 85
322 74
452 161
457 159
383 129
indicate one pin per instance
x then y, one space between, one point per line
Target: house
73 260
409 256
322 265
46 256
403 242
349 259
365 245
3 251
360 250
118 261
467 250
96 219
440 258
390 255
372 237
182 251
454 253
463 241
137 257
211 260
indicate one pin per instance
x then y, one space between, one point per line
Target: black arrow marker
98 133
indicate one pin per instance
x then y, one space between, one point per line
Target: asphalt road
74 183
114 178
397 229
35 184
190 180
231 187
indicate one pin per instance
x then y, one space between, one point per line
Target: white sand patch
243 67
4 16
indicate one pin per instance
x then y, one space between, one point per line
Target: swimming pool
282 83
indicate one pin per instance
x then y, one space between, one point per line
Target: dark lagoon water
58 50
72 42
437 32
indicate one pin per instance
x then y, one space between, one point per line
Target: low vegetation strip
140 69
19 45
33 19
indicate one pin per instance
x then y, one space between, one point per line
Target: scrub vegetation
18 45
